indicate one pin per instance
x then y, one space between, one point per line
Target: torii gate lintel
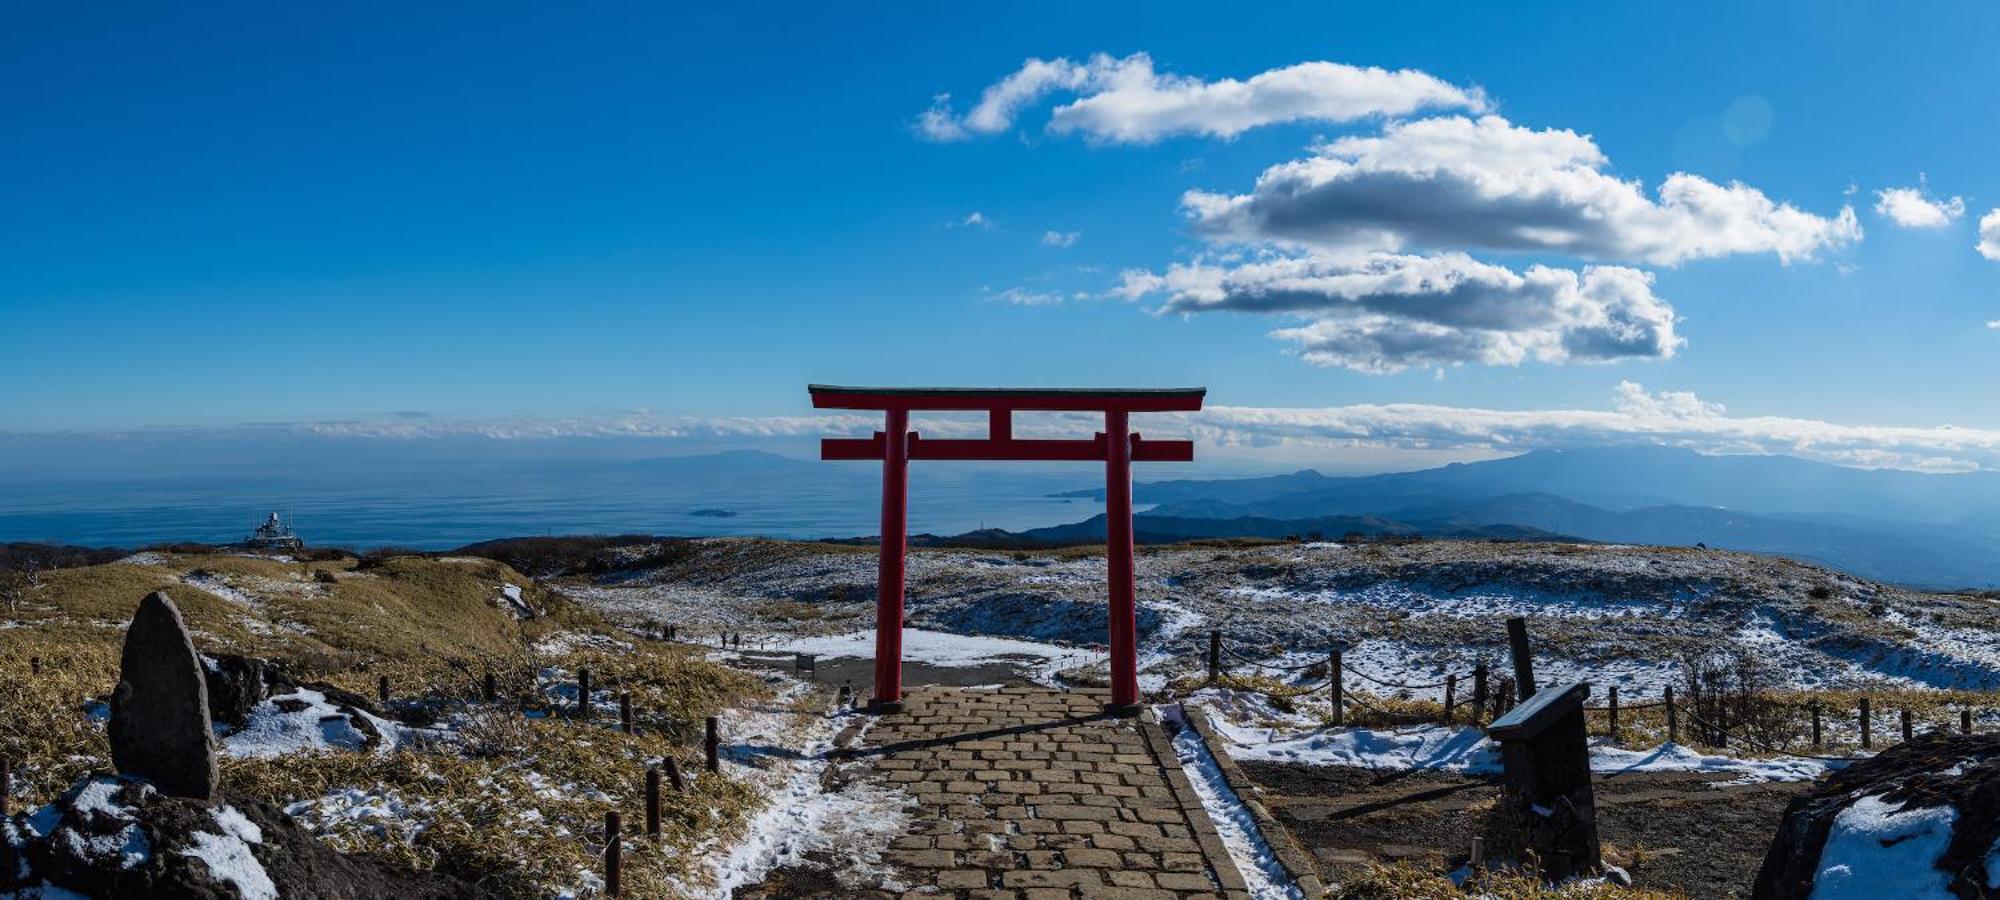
1117 446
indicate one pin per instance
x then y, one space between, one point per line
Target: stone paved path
1031 793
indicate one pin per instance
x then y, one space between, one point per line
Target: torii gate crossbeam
1117 446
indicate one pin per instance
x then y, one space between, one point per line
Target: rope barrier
1267 666
1627 707
1387 683
1767 748
1358 700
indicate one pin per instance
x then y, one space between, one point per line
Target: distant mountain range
1939 530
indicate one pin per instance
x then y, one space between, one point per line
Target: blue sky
491 212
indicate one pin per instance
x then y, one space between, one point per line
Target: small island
714 513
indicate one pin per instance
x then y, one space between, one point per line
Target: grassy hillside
504 794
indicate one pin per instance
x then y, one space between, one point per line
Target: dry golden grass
1410 882
519 806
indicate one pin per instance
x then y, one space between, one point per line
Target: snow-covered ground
1613 615
305 720
848 823
946 650
1265 877
1257 731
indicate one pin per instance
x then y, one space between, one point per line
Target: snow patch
228 857
510 599
939 648
1878 849
1262 873
801 816
1270 735
317 725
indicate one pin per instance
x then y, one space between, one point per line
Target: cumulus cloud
1458 183
1126 100
1636 416
974 219
1061 238
1911 207
1989 235
1383 313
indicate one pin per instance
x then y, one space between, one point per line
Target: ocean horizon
439 506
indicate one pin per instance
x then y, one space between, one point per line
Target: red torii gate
1118 446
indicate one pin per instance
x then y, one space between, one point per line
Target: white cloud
1456 183
975 219
1989 235
1061 238
1636 416
1910 207
1383 313
1026 297
1993 324
1126 100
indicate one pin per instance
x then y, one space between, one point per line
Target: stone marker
159 712
1545 755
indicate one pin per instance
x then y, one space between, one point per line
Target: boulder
159 727
1920 819
118 837
236 684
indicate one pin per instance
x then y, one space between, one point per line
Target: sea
436 506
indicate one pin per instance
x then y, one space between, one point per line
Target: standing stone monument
1545 758
159 712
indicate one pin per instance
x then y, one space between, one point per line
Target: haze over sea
443 504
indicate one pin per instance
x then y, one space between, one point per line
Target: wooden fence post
1614 714
625 711
1524 664
612 848
712 744
1906 724
1965 721
6 787
674 775
489 687
1214 655
34 665
1478 692
583 694
382 691
1335 671
1815 724
1867 726
1673 718
652 801
1450 695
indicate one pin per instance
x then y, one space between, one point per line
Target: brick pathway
1032 793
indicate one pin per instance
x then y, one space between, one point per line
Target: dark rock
159 725
1960 771
114 837
236 684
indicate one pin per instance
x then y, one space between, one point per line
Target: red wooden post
1118 562
889 568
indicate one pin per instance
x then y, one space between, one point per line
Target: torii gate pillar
1117 446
